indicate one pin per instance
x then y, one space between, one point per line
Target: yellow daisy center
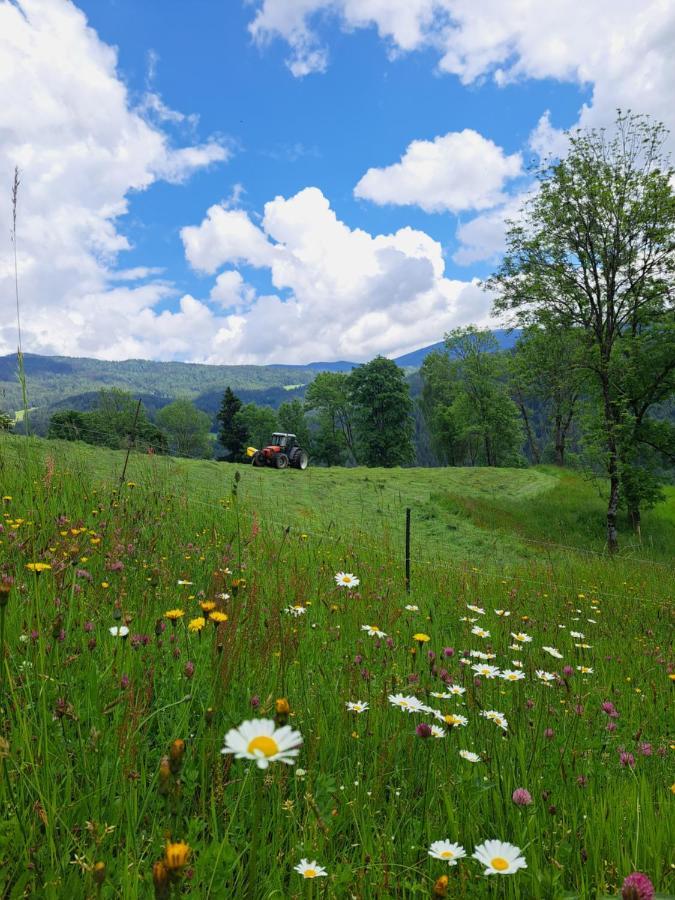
309 873
345 580
265 744
447 854
499 863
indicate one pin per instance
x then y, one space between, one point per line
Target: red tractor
284 451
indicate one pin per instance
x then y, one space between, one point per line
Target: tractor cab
283 441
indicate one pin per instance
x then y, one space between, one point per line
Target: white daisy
181 581
453 721
310 869
503 612
517 663
346 579
468 619
478 654
544 676
494 716
512 675
262 741
480 632
475 609
119 631
584 646
553 652
373 631
585 670
486 671
456 690
296 610
408 704
358 707
592 621
446 851
469 756
437 732
499 858
412 608
521 637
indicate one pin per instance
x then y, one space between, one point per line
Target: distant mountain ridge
58 382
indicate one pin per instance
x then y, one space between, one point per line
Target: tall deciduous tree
258 423
595 250
292 419
232 434
187 428
380 396
328 395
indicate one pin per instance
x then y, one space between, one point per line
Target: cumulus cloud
457 171
68 123
620 48
342 292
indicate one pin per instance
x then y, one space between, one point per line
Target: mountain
60 382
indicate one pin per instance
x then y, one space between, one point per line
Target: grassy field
100 795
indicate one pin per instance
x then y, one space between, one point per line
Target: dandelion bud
176 753
208 715
440 888
4 594
176 856
164 776
160 879
99 873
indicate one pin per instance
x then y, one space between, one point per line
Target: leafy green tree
232 434
328 396
546 379
187 429
293 420
258 423
6 421
380 396
70 425
594 250
439 390
116 422
483 415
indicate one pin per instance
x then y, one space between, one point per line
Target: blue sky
286 180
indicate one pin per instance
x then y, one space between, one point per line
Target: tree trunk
612 465
634 516
534 447
559 442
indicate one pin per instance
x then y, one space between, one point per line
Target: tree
6 421
594 250
292 419
545 377
232 434
328 395
483 416
187 428
380 396
438 393
258 423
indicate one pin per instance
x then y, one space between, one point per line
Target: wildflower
173 615
119 631
512 675
578 635
456 690
440 888
475 609
502 612
549 733
517 663
499 858
189 669
408 704
421 638
448 651
296 610
521 797
38 567
486 671
478 654
358 707
480 632
585 670
447 851
196 625
553 652
544 676
98 873
182 581
637 886
218 617
373 631
423 730
609 708
207 606
160 879
469 756
521 637
176 856
310 869
346 579
437 732
261 741
627 760
496 717
584 646
454 720
412 608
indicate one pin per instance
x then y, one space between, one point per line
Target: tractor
284 451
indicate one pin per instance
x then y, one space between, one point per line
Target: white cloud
456 171
344 292
621 48
548 141
231 290
482 239
68 123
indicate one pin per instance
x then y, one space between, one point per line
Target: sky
286 181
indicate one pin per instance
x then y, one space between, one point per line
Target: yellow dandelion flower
207 605
37 567
421 637
197 624
174 615
176 855
217 617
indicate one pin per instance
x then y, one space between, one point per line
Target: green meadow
115 713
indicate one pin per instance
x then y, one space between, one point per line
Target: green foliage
258 424
594 252
328 396
292 419
6 421
187 429
380 397
232 434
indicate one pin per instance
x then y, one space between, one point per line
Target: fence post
407 550
132 441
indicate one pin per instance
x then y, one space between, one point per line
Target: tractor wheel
281 461
300 460
258 458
